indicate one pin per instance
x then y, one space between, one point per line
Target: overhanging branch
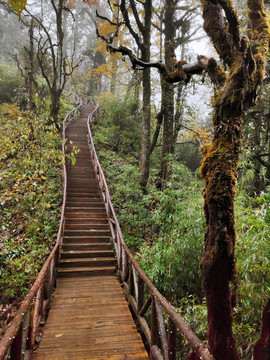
183 70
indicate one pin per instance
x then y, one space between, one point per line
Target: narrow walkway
89 317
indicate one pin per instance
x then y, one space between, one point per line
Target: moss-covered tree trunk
245 57
257 183
146 81
219 171
146 128
168 89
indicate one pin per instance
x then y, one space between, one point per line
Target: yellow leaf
18 5
59 335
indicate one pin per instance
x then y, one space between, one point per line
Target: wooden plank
88 321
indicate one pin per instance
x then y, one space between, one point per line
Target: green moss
216 72
219 170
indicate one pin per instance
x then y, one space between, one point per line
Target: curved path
89 317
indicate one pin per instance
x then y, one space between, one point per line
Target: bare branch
136 15
128 24
109 21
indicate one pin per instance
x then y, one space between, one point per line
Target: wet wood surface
90 319
89 316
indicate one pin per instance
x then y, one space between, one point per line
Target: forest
183 137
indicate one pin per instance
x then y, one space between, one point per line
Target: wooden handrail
134 281
20 336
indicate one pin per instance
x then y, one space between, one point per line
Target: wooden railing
20 338
160 323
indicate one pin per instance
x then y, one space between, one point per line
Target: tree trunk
146 127
168 91
267 173
30 76
178 115
219 168
262 347
219 171
146 81
256 184
55 107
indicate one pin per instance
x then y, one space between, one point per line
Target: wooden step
88 232
89 221
85 226
81 215
82 179
82 246
79 186
86 271
83 199
78 175
82 192
80 168
87 262
86 254
84 204
86 239
91 208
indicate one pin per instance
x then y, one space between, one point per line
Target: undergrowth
30 185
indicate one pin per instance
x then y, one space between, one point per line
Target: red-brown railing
19 339
160 323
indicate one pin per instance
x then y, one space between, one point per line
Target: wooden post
154 326
171 340
16 347
140 293
162 331
130 280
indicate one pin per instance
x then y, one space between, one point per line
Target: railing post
140 293
171 340
130 280
161 330
16 347
124 264
154 326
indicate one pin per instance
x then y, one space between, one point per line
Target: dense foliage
30 185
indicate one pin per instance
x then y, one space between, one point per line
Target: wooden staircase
89 318
87 248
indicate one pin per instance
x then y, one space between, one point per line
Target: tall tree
137 18
142 38
244 58
52 53
173 24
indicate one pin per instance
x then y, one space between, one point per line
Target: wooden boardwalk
89 317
